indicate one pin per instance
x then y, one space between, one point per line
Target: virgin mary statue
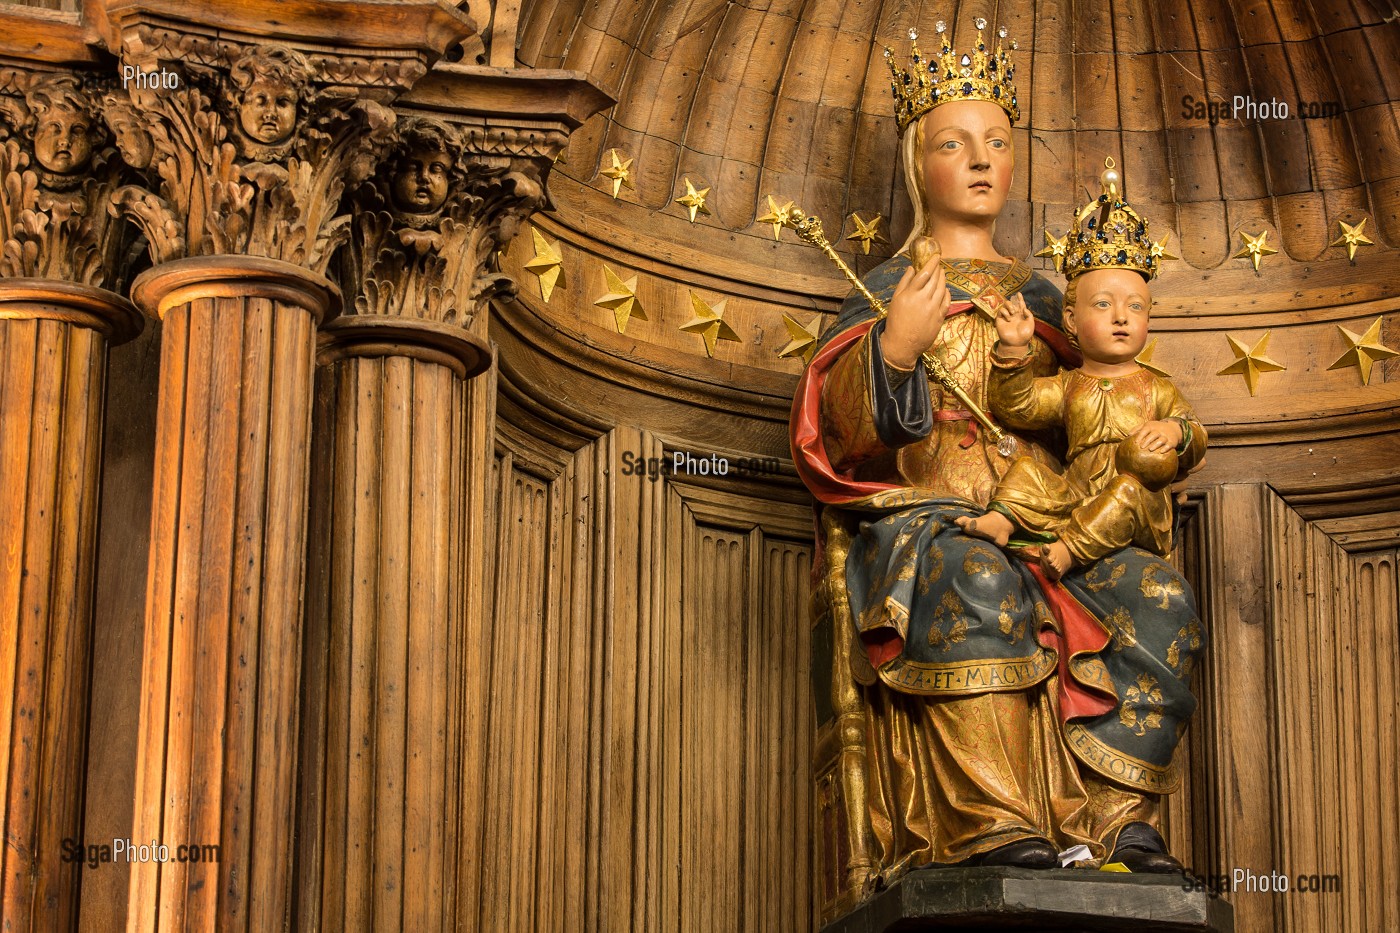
1002 718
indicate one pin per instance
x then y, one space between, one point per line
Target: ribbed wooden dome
793 98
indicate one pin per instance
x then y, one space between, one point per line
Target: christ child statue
1130 432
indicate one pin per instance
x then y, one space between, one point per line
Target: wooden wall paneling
1186 814
746 785
658 568
527 539
1378 617
669 628
1241 757
118 624
53 361
224 589
1337 657
714 608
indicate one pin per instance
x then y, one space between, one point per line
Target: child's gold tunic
1092 509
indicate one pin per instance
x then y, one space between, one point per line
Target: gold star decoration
866 232
804 338
1055 248
621 299
1365 350
1251 361
1255 248
1352 237
693 199
1159 249
709 323
548 265
1144 359
777 216
619 170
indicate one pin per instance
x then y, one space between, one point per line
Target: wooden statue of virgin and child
1021 649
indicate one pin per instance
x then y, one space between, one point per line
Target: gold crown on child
975 75
1107 234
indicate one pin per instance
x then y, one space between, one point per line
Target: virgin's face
967 161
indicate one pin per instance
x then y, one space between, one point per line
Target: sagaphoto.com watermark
682 463
96 854
1248 881
1245 108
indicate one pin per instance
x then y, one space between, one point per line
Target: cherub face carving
421 180
268 111
267 92
65 131
61 140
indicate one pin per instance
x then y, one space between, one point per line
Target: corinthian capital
473 153
57 172
428 223
253 162
250 145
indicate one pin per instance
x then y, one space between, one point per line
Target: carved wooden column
392 641
57 247
254 146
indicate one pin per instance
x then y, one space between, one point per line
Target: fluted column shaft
53 362
386 615
217 749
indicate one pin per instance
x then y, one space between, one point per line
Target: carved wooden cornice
362 44
508 112
48 39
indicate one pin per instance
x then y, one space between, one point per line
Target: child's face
269 111
421 183
1109 316
61 141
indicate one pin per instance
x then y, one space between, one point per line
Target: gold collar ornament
1108 234
975 75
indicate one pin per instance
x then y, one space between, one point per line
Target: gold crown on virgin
1107 234
975 75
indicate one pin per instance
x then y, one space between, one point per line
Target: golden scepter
810 229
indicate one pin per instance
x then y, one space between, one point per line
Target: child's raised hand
1015 326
